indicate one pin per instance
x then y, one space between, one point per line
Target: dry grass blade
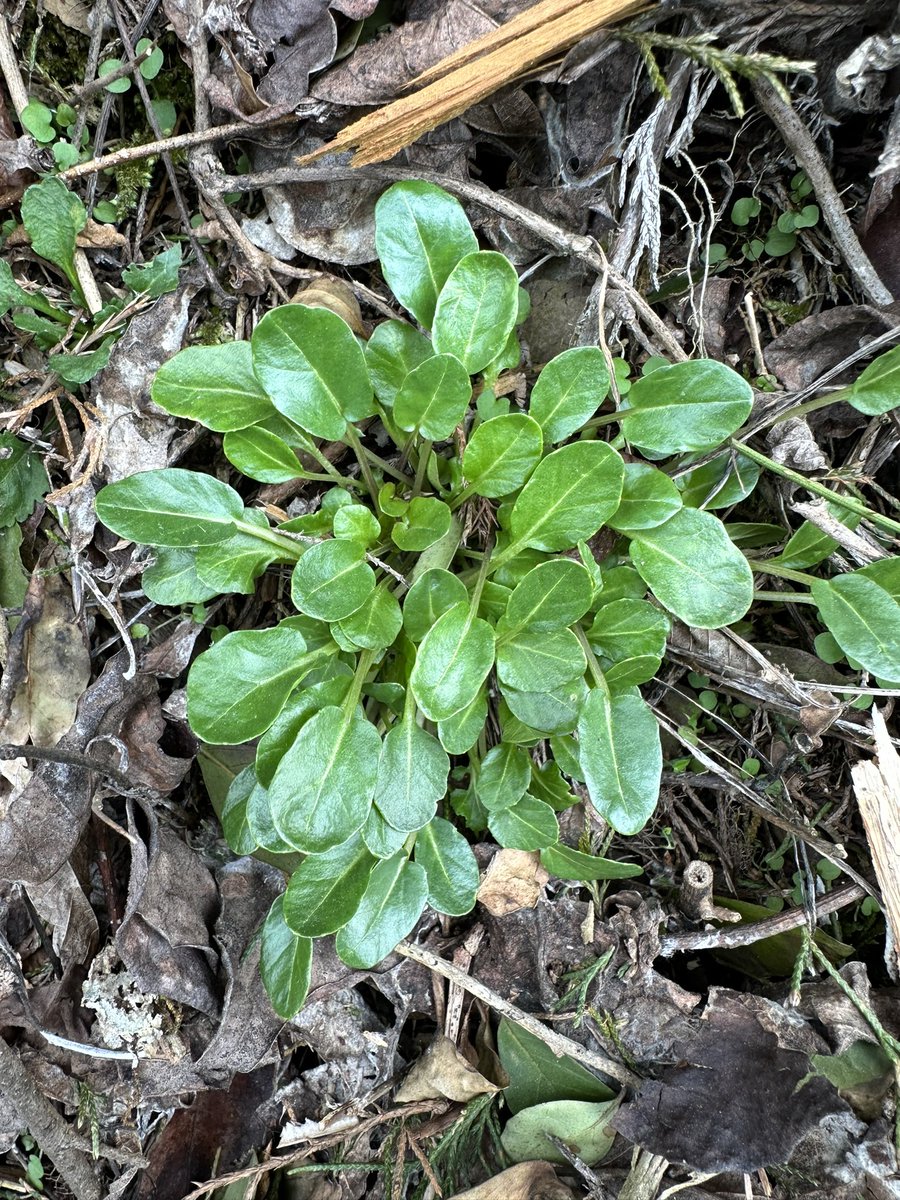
473 73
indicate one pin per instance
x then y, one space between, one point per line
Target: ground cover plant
474 618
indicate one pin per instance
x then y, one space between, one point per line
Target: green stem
461 497
772 568
818 489
481 578
309 447
288 547
800 410
421 467
356 446
366 658
593 665
784 597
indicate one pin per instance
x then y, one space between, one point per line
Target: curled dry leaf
514 879
526 1181
443 1073
336 296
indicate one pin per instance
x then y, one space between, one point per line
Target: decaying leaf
334 294
514 879
442 1072
732 1101
533 1180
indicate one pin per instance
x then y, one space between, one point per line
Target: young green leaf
234 820
648 498
170 508
569 391
554 594
356 523
375 625
433 593
392 351
421 233
865 620
325 890
569 496
529 824
548 710
877 389
531 660
238 686
566 863
501 454
434 397
537 1075
322 789
450 868
312 366
236 562
332 580
285 963
393 902
694 569
503 777
23 480
158 276
282 733
425 522
630 636
452 663
172 578
382 839
459 732
687 406
214 385
53 217
261 455
621 758
476 310
724 480
262 827
412 775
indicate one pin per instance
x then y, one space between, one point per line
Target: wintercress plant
455 608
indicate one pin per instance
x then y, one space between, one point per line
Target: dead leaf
877 788
443 1073
58 664
525 1181
514 879
336 296
792 443
809 348
61 902
171 657
731 1101
148 764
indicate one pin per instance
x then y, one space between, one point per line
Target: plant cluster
452 617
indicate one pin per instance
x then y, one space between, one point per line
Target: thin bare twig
557 1042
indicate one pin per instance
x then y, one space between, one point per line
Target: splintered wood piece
877 788
473 73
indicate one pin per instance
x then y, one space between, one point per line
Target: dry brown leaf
525 1181
443 1073
877 788
59 666
336 296
514 879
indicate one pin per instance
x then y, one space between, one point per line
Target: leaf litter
127 924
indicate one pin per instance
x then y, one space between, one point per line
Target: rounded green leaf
621 758
433 397
450 868
424 522
434 593
452 663
723 481
630 638
552 595
549 711
566 863
421 233
234 818
877 389
412 775
503 777
259 818
694 569
356 523
582 1125
312 366
532 660
285 963
864 619
529 824
537 1076
382 839
332 580
375 625
476 310
214 385
170 508
236 562
569 391
501 454
392 351
282 733
569 496
322 789
459 732
261 455
238 686
687 406
649 497
325 890
393 902
172 578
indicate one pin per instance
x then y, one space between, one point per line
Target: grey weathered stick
46 1126
559 1044
799 141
